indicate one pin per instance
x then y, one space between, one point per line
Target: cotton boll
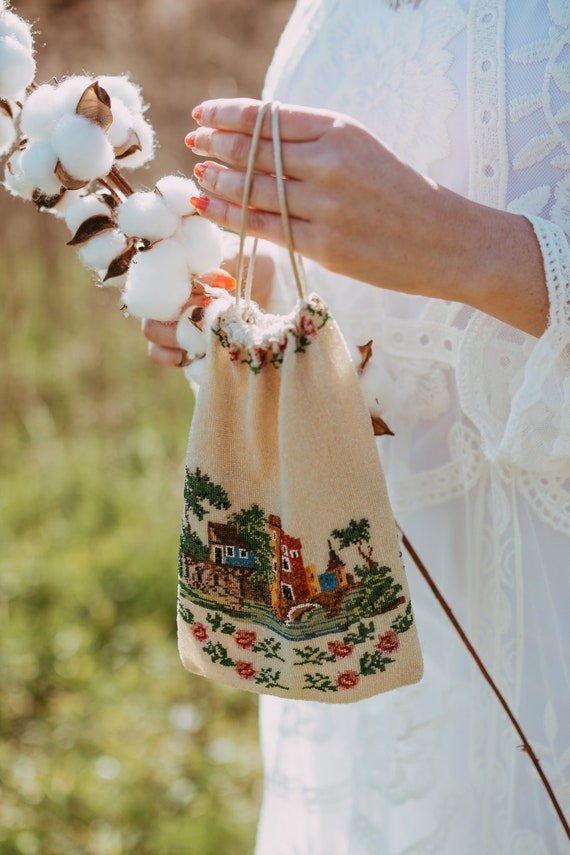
38 165
176 192
144 215
118 132
17 67
67 199
40 113
12 25
15 179
120 88
7 133
83 148
189 337
145 133
203 245
158 283
83 207
70 90
99 252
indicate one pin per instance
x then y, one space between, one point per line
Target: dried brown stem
117 178
526 746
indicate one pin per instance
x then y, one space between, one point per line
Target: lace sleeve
517 389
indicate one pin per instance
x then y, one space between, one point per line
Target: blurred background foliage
107 745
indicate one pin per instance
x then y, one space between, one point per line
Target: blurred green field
107 745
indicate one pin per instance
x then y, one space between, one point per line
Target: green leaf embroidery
218 653
319 682
312 655
270 648
371 663
270 678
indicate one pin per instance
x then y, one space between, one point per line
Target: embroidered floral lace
474 93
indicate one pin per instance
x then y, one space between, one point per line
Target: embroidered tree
379 592
252 524
199 489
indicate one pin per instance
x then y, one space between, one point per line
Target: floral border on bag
311 318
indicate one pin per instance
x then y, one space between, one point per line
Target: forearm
494 263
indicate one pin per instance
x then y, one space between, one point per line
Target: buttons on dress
486 19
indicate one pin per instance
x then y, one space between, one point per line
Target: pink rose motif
347 680
245 670
200 632
339 649
245 639
308 327
259 355
234 353
388 643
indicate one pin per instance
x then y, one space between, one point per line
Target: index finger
296 124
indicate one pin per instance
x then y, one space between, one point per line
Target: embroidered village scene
251 568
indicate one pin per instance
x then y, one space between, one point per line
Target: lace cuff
517 389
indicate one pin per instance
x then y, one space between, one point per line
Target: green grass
107 745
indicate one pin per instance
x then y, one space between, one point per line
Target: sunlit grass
108 745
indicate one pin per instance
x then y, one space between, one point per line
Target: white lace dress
476 95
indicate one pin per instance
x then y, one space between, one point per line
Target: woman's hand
358 210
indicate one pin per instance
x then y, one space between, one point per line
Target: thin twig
526 746
119 180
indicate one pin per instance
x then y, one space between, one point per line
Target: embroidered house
229 574
227 547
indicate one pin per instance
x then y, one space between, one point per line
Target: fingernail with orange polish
199 170
190 140
197 113
200 202
224 280
206 301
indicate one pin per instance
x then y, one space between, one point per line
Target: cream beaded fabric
474 95
291 576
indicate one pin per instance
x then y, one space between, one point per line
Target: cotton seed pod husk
83 207
158 283
7 133
144 215
176 191
145 136
38 164
40 113
17 67
98 253
203 245
59 208
16 181
12 25
82 147
120 88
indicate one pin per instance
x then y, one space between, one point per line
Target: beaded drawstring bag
291 579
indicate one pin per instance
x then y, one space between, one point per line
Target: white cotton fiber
12 25
121 88
99 252
145 133
118 132
38 165
7 132
17 67
40 113
83 148
158 283
203 245
189 337
60 208
144 215
176 191
15 180
70 90
82 208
